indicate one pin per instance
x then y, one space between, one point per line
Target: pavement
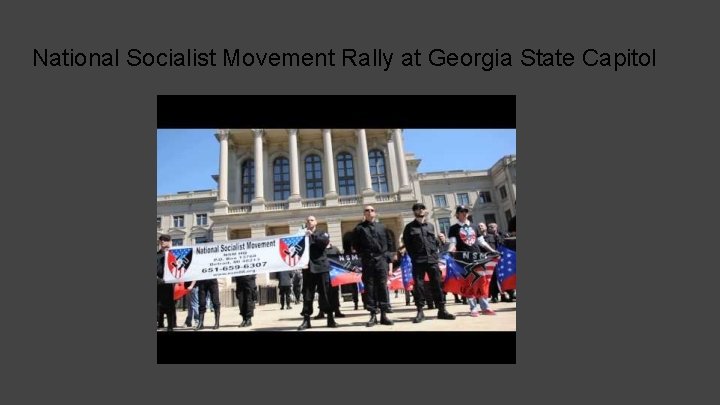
271 318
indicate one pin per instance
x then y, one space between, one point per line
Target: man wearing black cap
165 301
376 249
423 247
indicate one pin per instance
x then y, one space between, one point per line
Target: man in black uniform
165 301
317 276
206 287
333 292
423 247
245 293
376 248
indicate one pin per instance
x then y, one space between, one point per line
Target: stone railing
277 206
348 200
313 202
239 209
386 197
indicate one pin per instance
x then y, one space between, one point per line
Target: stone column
258 203
335 231
331 196
362 151
221 205
294 199
391 160
402 164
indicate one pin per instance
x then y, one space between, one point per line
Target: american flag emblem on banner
178 261
291 249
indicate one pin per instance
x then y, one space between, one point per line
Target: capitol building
270 180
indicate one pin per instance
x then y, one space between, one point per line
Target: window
313 177
159 222
490 219
444 225
201 239
508 215
247 186
503 192
463 199
484 197
377 171
281 179
440 201
177 242
201 219
346 175
179 221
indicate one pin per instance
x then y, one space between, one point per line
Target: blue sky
187 158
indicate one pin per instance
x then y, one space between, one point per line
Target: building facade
270 180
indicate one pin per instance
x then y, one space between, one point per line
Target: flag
395 282
291 249
469 276
407 278
178 261
507 269
339 275
179 291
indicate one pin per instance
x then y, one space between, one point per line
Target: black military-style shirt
421 242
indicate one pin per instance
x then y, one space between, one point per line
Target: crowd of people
376 249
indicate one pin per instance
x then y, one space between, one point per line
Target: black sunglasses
369 210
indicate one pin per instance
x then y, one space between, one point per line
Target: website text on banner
242 257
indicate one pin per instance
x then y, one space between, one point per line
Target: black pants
321 283
245 294
297 288
166 304
374 276
285 296
206 287
434 285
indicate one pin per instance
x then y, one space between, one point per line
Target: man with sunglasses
423 247
375 248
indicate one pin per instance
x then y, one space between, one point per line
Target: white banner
240 257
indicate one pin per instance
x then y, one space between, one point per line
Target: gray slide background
612 172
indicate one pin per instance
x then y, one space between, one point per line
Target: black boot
338 314
444 314
331 321
356 306
201 322
217 319
420 316
248 322
321 315
243 324
373 320
305 324
384 320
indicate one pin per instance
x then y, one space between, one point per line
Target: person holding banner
245 293
210 287
375 247
423 247
165 301
317 276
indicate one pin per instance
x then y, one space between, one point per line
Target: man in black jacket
317 276
423 247
165 301
372 242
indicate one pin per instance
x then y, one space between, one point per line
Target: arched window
247 185
281 179
377 171
313 177
346 175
